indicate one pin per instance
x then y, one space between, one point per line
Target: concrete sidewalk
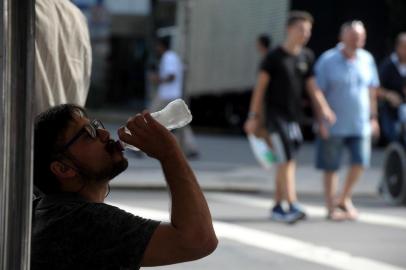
226 163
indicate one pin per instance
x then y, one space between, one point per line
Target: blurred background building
216 41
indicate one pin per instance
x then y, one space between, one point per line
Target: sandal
351 212
337 214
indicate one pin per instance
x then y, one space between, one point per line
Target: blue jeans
329 152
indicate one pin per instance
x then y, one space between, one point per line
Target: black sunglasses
90 129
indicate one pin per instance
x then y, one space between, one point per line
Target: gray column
16 122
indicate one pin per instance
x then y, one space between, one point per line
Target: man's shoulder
275 53
366 56
364 52
275 56
50 8
71 205
329 55
70 210
170 55
104 211
171 59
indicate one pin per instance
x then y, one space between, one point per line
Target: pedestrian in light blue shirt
348 77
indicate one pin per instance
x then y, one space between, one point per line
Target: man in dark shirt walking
74 160
285 73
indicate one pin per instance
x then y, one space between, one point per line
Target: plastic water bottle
175 115
262 152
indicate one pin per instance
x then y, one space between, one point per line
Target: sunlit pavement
249 240
239 194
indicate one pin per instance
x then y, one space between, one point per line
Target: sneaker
295 213
278 214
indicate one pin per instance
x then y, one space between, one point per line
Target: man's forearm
321 104
373 102
381 93
318 100
190 212
256 105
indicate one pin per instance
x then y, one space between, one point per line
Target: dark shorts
329 152
286 138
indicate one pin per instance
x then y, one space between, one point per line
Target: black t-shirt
391 79
288 75
71 233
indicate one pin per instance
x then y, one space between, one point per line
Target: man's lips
119 146
114 146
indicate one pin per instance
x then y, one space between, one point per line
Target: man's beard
108 172
117 167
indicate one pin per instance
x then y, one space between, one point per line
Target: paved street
249 240
239 194
227 163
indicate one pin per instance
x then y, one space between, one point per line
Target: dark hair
298 15
265 40
49 128
164 42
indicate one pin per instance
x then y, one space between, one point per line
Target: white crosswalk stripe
312 210
281 244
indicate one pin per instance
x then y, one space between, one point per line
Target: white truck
217 42
216 39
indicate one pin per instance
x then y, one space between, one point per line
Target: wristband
252 115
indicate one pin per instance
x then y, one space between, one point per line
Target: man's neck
292 47
95 192
349 53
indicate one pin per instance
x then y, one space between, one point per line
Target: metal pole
187 5
152 66
16 121
187 9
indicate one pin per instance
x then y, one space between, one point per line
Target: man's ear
61 170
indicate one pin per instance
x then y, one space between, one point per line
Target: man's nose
103 134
